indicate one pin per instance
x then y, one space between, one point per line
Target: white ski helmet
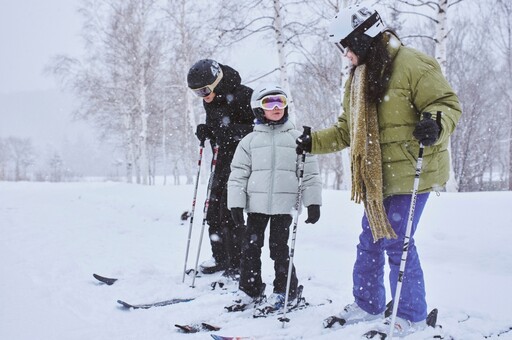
355 27
259 93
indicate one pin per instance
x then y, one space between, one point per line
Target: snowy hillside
55 236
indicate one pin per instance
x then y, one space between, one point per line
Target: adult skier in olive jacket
395 99
228 119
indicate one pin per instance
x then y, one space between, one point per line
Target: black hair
379 64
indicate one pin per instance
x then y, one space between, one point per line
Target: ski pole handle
427 115
304 142
306 131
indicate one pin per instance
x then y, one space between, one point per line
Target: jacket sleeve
331 139
311 182
432 93
336 137
239 176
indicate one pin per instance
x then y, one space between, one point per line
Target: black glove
237 214
427 130
313 214
303 143
203 132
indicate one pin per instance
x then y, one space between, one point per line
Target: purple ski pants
368 274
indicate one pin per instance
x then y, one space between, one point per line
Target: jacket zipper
273 153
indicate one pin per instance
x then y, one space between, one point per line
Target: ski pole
201 148
205 210
284 319
407 237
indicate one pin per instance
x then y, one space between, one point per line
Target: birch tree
21 153
283 23
189 37
3 160
318 103
318 81
501 28
124 42
436 14
475 143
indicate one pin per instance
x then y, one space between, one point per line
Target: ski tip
283 319
107 280
210 327
124 304
432 318
185 215
187 328
375 335
220 337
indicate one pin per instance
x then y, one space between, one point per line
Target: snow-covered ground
55 236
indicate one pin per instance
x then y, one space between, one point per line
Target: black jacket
229 116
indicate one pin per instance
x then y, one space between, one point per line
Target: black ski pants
225 238
253 241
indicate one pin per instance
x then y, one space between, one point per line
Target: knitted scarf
366 157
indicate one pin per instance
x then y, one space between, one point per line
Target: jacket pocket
411 152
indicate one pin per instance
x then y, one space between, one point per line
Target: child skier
264 182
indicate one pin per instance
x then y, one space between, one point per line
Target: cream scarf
366 157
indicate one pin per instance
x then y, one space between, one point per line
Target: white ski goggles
272 101
206 90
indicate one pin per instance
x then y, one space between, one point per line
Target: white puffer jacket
264 172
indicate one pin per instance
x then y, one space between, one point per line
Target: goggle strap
211 87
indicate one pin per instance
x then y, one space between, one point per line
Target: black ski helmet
262 91
204 75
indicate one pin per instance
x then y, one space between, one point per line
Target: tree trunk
281 52
510 154
143 116
441 42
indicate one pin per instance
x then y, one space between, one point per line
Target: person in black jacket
228 119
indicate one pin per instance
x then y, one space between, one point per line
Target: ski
300 304
194 328
382 336
333 319
296 307
431 322
499 333
155 304
220 337
191 271
110 281
107 280
184 216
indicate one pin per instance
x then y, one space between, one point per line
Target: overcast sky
31 32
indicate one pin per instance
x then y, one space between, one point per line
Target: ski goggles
208 89
272 101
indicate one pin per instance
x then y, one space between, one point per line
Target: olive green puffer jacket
416 85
